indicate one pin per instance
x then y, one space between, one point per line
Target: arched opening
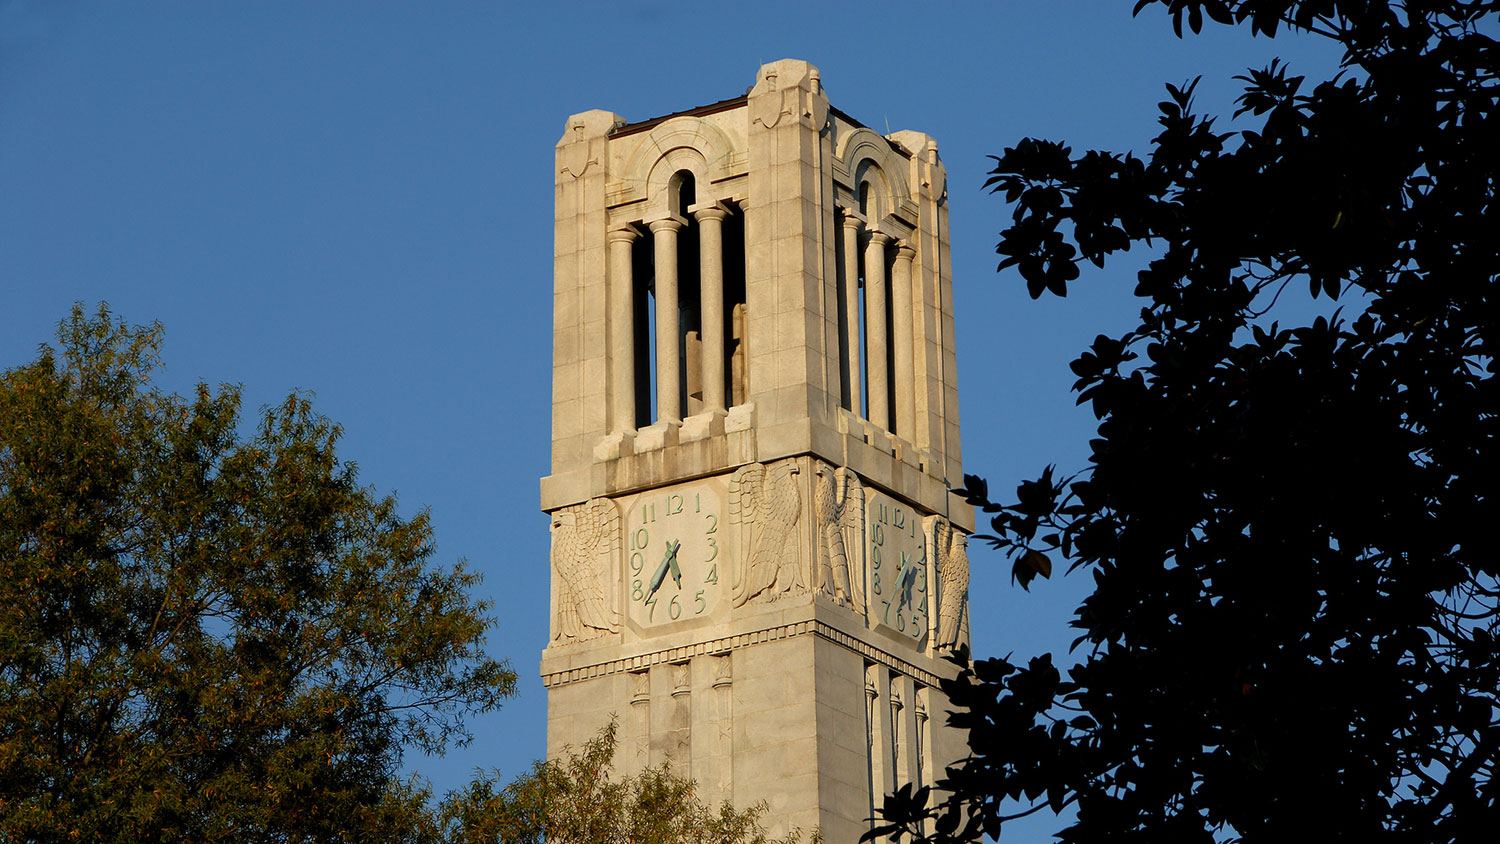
682 192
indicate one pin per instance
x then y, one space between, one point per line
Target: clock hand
672 560
904 582
668 563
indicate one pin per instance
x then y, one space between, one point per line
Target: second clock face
676 553
897 554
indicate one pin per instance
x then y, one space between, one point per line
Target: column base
656 437
702 426
613 447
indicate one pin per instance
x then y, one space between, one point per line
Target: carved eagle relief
948 548
585 548
764 503
839 517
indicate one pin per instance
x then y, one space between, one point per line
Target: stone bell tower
756 562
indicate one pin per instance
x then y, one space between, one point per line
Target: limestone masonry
756 562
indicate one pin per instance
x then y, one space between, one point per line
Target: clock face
897 556
676 553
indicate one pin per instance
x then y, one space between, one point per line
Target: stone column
853 378
711 303
621 331
875 331
668 348
904 341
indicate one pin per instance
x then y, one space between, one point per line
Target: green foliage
1292 634
205 636
578 800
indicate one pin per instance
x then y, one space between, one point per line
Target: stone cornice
667 656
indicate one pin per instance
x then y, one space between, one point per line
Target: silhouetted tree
1291 529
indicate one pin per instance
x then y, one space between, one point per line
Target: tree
1292 633
577 799
206 636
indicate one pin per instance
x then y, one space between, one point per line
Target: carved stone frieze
765 503
839 520
585 567
948 548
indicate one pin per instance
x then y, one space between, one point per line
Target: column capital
666 224
852 218
715 211
627 234
879 238
904 251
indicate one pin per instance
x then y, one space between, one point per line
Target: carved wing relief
839 508
764 503
949 550
585 552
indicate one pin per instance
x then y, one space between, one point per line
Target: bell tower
756 562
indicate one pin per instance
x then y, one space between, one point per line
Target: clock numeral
702 604
674 609
648 513
651 603
636 592
887 616
713 575
713 545
875 558
901 622
877 534
637 562
640 539
876 578
713 523
674 504
697 502
899 520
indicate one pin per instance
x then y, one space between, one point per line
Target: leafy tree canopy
1292 634
578 799
206 636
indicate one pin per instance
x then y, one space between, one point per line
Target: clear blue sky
356 199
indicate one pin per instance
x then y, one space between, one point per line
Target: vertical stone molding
679 739
882 739
640 719
877 339
723 717
668 339
873 768
711 303
897 739
621 330
922 747
902 340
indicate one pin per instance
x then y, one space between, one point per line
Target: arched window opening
736 371
861 329
643 305
682 192
690 316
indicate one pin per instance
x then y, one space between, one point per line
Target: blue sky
355 199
